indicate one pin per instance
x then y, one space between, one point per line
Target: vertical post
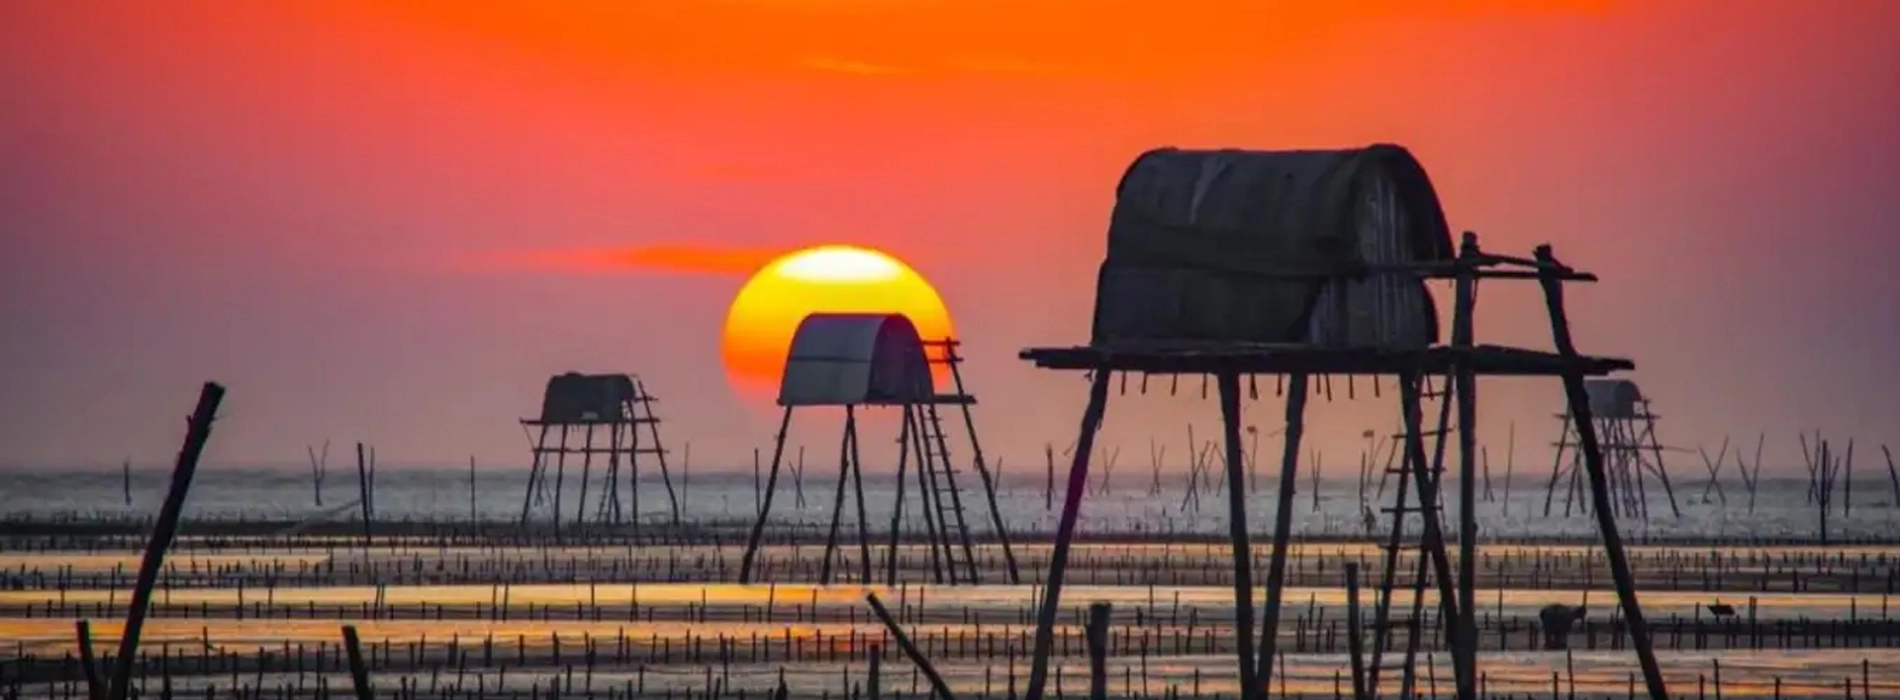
1296 394
1354 635
1065 532
897 505
1237 530
1466 652
471 489
560 480
1049 477
163 530
771 485
587 474
537 474
88 665
1548 267
615 448
632 445
1892 475
363 491
359 671
837 504
1098 651
857 486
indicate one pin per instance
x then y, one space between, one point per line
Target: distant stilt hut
878 361
607 418
1631 452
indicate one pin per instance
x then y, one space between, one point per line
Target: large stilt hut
1310 265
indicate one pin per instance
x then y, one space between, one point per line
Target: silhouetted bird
1721 609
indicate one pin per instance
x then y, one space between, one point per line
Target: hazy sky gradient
285 196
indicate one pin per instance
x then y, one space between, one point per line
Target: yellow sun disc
824 279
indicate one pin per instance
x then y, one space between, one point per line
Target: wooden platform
935 399
1492 360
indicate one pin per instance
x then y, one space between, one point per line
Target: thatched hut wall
1228 246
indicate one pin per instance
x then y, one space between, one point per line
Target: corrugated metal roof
855 359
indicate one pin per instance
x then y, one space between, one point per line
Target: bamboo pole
1296 396
1065 533
1237 530
164 530
1098 650
95 689
1354 634
917 657
359 672
1579 402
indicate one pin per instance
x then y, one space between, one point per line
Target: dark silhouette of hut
1634 455
607 418
878 360
1239 246
1305 265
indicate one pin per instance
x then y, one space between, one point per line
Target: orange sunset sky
390 221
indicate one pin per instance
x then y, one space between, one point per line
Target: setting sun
824 279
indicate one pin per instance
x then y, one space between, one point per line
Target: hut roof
1237 246
573 397
1614 398
851 359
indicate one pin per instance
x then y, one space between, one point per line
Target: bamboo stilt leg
1296 395
1579 402
765 510
1065 533
1237 530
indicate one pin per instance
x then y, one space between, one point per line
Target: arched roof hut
856 359
1618 399
1231 246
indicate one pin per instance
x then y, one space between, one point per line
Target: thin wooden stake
163 531
1579 401
903 642
359 672
1098 651
94 688
1354 635
1046 613
1237 530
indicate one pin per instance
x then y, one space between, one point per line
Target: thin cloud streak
682 258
